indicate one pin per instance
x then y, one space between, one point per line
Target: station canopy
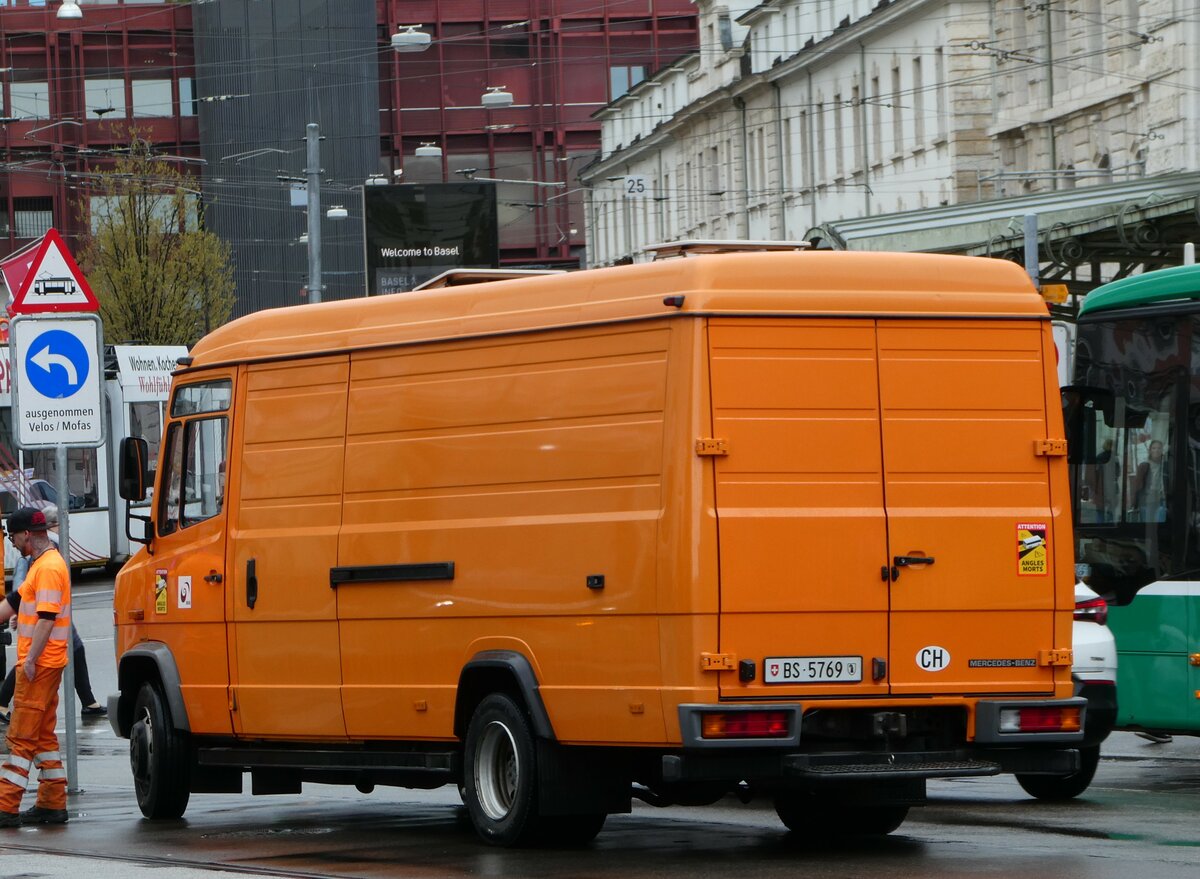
1133 226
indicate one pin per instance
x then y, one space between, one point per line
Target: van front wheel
500 777
158 755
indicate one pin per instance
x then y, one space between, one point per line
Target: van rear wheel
1057 788
158 755
500 777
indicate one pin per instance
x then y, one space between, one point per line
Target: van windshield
1134 465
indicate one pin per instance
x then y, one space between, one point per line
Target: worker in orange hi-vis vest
43 638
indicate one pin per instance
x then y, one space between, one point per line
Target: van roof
830 283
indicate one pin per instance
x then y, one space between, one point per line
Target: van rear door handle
251 584
903 561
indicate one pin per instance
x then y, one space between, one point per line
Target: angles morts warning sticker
1033 552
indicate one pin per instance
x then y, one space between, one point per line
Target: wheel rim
141 748
497 771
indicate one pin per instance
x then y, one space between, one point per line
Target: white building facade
799 114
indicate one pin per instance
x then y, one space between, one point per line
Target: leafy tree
160 277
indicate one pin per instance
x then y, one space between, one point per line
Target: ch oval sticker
933 658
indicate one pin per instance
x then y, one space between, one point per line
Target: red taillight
1092 610
1040 720
745 725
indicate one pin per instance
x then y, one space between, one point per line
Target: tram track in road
167 861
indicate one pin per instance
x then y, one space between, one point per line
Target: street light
410 39
29 135
69 9
428 150
495 97
337 212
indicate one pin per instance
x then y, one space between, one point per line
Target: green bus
1133 423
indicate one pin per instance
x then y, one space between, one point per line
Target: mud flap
581 781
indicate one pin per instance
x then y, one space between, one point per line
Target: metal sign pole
68 681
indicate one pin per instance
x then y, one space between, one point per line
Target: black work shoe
93 711
10 819
38 815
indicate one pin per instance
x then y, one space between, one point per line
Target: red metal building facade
561 60
72 90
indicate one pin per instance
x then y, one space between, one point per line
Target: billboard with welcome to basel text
416 231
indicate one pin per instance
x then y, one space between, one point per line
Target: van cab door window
193 486
195 478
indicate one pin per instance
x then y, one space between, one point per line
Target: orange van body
704 522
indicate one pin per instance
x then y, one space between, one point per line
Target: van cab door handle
213 577
903 561
251 584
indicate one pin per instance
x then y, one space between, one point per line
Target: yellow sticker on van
160 591
1033 552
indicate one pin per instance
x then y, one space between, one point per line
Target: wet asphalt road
1141 818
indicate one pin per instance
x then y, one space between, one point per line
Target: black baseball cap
27 519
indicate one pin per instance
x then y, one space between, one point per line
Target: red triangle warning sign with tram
54 282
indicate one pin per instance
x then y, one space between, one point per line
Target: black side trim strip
390 573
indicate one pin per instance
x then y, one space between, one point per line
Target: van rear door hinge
709 446
718 662
1050 448
1057 656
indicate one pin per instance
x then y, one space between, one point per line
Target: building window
839 139
939 59
876 121
105 97
187 96
28 100
32 217
822 166
152 97
918 104
622 79
897 118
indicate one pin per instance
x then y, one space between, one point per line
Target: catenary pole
313 138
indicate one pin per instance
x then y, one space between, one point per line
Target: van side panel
800 502
286 646
964 403
531 463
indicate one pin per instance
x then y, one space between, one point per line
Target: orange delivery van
781 524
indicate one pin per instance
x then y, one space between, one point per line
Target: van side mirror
135 463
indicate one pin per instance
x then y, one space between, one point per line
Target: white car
1095 675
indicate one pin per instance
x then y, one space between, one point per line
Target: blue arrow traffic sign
57 364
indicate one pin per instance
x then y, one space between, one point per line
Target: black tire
570 831
1058 788
159 756
813 820
500 773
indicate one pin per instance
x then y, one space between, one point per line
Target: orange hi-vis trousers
31 742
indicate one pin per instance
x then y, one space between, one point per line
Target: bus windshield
1135 445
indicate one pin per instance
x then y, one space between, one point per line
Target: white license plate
811 669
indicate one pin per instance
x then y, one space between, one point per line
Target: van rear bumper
838 767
